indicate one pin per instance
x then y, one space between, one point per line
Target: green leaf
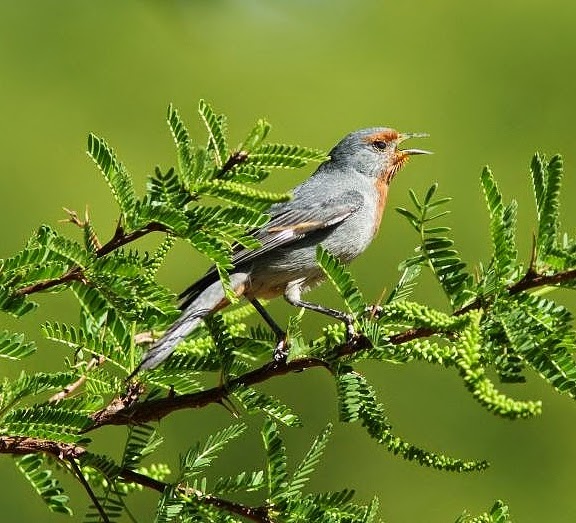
405 285
46 486
77 339
11 392
215 127
145 213
200 456
287 156
223 341
239 194
13 347
539 180
358 401
548 218
167 189
183 143
243 482
254 401
276 473
502 228
142 440
541 333
47 421
114 172
342 281
308 464
256 136
470 347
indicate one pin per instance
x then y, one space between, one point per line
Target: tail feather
163 347
207 301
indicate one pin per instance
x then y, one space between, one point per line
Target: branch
22 445
69 453
530 280
258 514
75 273
121 238
124 411
69 389
234 159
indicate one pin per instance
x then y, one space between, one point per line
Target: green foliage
502 229
498 514
547 181
358 402
435 248
254 401
201 456
342 280
13 347
43 482
114 172
216 127
499 325
278 155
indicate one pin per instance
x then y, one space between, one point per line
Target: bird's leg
294 299
282 348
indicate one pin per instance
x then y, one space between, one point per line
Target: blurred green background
492 82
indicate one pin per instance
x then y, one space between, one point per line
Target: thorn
374 311
533 255
230 407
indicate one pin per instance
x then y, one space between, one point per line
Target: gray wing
289 223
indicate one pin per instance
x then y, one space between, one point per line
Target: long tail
208 300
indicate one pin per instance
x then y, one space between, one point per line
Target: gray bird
340 206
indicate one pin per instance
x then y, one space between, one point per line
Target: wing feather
289 223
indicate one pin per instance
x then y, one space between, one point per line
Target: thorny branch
126 410
75 273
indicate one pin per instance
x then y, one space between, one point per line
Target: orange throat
399 160
382 195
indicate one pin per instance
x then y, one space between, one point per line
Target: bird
339 206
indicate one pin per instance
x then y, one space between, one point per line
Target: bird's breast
381 186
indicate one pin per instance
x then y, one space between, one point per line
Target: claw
281 351
373 311
351 333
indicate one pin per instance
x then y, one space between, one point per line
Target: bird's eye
380 145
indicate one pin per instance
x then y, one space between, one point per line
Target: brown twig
258 514
534 280
69 389
236 158
117 413
152 410
23 445
75 273
530 280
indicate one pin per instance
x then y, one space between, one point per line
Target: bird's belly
297 264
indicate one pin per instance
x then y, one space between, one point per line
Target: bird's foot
281 351
351 333
373 312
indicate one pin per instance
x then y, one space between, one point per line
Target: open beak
409 152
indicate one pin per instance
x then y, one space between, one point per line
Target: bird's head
374 152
